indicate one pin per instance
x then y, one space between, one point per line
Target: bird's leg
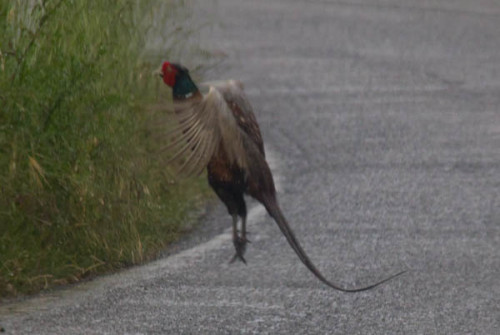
235 227
239 242
244 229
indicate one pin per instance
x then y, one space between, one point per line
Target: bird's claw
237 256
240 246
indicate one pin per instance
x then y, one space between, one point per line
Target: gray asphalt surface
382 120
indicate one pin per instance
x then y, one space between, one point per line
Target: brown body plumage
218 130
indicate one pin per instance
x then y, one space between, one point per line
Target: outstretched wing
204 126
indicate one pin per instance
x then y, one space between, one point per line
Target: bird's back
236 100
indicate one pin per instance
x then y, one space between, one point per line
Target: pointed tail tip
275 212
369 287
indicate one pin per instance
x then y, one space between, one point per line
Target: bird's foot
240 244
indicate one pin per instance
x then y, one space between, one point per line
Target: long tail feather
275 212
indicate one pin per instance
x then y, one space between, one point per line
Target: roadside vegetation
80 191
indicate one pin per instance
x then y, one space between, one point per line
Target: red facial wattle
169 73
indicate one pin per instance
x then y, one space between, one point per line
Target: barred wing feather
205 126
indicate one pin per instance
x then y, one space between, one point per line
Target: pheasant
217 130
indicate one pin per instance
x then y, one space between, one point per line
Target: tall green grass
79 193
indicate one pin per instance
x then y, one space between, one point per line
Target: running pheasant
217 130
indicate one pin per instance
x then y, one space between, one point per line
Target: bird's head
177 77
169 72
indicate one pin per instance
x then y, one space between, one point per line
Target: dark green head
177 77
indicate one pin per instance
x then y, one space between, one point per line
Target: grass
79 193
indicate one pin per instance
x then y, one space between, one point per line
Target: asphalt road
382 119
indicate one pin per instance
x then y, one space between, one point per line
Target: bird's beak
158 72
